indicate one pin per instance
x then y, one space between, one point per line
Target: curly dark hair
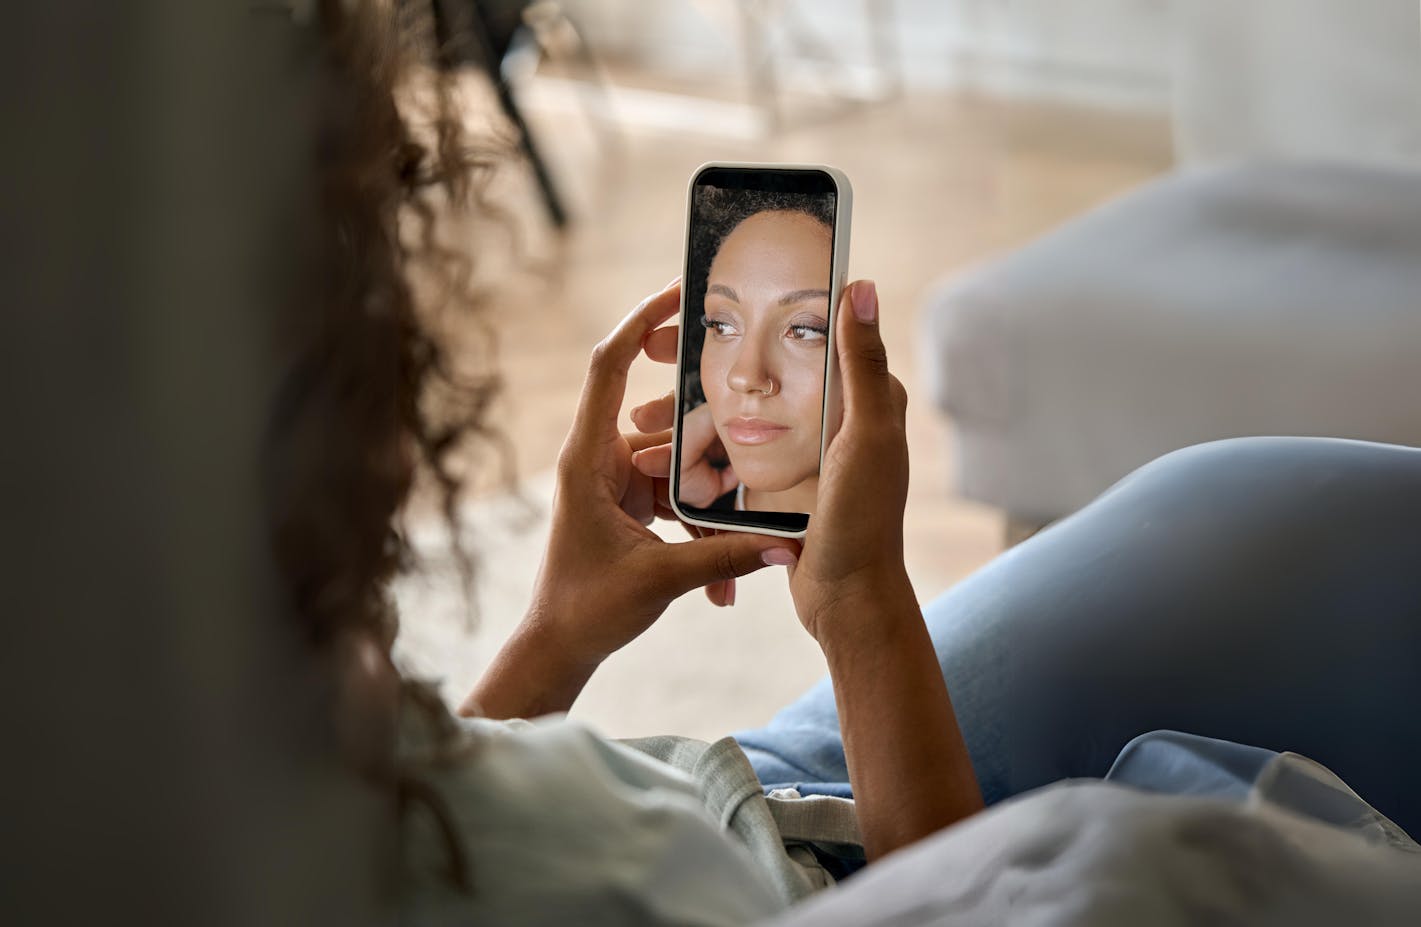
718 210
379 402
375 395
715 213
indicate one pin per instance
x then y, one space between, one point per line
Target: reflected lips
753 430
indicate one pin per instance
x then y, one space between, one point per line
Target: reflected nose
750 373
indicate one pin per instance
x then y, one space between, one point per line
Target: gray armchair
1272 286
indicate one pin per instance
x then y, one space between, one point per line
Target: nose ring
771 390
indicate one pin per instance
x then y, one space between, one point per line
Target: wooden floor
940 182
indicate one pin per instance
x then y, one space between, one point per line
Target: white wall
1115 52
1301 78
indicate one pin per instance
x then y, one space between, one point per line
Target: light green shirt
561 826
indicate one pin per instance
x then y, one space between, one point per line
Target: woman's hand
702 481
853 549
605 578
908 765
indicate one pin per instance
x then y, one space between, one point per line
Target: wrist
862 610
534 673
555 642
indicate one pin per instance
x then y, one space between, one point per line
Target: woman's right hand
605 578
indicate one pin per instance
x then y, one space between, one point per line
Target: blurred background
1100 230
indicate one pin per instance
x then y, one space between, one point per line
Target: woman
510 823
553 824
755 442
544 824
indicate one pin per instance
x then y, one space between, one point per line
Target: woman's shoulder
553 820
521 764
558 752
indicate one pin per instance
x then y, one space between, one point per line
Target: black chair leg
463 35
551 199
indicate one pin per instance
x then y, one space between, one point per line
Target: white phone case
838 277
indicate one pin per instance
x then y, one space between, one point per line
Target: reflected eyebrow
799 296
722 290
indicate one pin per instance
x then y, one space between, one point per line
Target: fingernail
730 593
778 556
865 300
674 280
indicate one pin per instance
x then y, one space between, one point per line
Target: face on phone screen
756 346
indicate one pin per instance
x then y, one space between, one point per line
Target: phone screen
755 348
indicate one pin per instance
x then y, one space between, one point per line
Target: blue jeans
1261 590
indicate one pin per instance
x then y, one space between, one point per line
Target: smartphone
757 394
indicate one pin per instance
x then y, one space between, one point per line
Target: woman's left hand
605 577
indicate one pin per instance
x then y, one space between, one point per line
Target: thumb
718 557
863 362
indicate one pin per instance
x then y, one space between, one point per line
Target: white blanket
1096 853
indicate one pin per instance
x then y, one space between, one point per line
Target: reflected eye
808 331
718 326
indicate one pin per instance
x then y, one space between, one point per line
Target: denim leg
1265 591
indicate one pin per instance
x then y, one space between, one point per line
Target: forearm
908 765
532 675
